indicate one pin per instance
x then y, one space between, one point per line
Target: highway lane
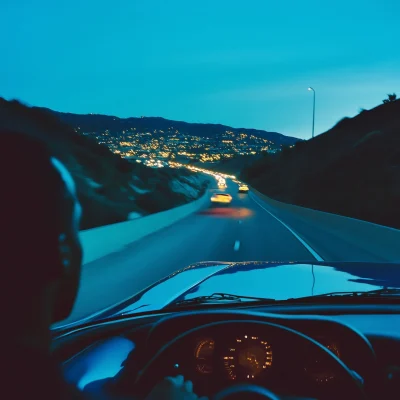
248 230
336 238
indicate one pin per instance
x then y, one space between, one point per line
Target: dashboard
220 359
217 349
221 354
248 357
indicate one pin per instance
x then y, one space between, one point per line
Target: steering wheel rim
142 381
248 390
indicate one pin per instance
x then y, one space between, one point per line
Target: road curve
248 230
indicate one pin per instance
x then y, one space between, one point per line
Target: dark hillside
353 169
110 188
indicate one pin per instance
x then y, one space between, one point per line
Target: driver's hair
35 208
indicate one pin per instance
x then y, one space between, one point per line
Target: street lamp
313 115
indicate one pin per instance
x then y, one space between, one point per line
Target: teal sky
240 63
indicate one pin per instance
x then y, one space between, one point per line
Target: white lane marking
306 245
236 246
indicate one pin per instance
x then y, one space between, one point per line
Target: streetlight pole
313 115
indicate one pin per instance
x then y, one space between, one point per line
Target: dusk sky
240 63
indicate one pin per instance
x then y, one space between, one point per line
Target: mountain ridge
94 122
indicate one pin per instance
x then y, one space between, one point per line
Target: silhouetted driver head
40 252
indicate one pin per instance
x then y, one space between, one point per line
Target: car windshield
252 151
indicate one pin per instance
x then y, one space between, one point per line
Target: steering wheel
161 365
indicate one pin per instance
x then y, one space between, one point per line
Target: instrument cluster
249 357
244 357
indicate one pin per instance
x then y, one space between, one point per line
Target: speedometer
203 354
247 358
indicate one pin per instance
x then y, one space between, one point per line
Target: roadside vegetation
352 169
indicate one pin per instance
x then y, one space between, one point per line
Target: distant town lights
159 145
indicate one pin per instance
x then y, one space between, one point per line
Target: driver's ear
65 253
67 282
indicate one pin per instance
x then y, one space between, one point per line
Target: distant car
243 189
221 198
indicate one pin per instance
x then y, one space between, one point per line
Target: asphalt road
247 230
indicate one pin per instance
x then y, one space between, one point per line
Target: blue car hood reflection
279 281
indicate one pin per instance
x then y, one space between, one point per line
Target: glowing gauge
333 347
247 358
204 352
319 367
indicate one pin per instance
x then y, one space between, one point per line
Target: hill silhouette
352 169
98 123
110 188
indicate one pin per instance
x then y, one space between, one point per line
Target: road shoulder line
306 245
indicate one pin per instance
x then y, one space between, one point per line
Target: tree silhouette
391 98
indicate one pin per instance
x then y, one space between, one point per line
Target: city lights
159 147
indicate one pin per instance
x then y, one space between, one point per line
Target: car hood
275 280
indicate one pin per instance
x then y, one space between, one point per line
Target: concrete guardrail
104 240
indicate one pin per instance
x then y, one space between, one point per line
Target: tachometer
318 366
247 358
203 353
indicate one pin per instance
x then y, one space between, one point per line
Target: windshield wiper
332 296
370 294
216 297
